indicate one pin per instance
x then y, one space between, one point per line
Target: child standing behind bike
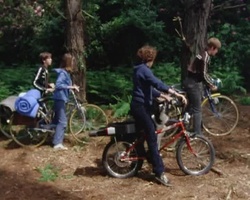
41 80
61 96
144 81
197 74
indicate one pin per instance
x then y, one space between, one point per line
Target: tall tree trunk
195 30
75 42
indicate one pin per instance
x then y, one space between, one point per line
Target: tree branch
221 7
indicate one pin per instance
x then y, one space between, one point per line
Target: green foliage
4 91
232 81
245 101
106 84
28 28
122 107
121 28
48 173
15 80
169 73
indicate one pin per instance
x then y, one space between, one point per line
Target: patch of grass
48 173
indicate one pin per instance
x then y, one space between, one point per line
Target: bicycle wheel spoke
26 135
224 120
95 117
199 160
77 121
117 162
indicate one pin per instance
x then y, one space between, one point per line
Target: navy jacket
144 83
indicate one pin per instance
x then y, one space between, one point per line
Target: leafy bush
232 81
169 73
103 86
16 79
245 100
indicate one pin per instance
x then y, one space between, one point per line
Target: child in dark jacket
143 93
198 75
41 80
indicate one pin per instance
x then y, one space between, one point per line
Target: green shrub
245 101
48 173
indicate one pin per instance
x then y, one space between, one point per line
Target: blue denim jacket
61 87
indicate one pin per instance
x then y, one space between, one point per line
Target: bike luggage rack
118 128
23 120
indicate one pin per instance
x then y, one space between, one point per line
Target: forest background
113 31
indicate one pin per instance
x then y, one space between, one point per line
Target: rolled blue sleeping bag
28 105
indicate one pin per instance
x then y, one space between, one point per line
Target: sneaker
163 180
60 147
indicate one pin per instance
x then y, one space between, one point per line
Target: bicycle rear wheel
95 117
26 135
4 127
223 120
199 159
115 166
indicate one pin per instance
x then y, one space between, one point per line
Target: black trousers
143 121
194 95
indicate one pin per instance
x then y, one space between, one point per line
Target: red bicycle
195 154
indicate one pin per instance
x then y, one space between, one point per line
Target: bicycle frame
177 136
76 102
210 98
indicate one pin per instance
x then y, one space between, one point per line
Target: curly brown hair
147 53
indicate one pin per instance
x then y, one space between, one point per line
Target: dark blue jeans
194 95
60 120
143 121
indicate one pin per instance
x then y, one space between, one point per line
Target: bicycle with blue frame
220 114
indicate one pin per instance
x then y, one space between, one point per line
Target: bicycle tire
116 167
4 127
25 136
197 161
225 121
77 122
95 117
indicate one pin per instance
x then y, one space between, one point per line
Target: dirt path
79 175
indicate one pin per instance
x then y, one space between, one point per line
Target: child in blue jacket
61 95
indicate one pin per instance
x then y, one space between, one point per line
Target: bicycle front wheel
118 163
220 116
196 159
26 135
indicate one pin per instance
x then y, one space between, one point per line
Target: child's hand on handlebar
164 97
183 98
213 87
75 87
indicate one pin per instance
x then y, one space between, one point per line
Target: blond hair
214 42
